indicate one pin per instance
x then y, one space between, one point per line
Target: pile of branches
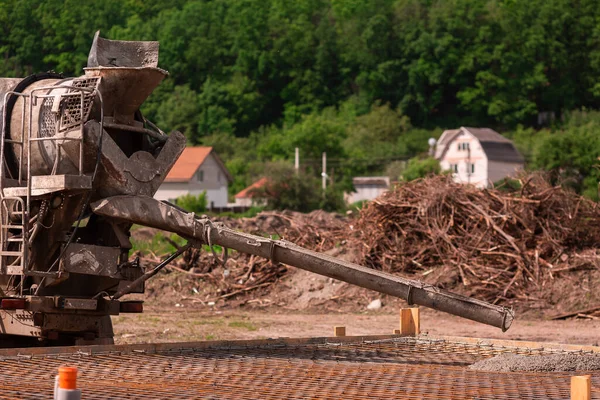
495 244
240 273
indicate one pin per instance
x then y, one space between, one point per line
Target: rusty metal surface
46 184
349 368
120 53
18 322
56 155
92 260
125 88
139 173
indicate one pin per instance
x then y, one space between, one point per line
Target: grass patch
250 213
200 322
158 245
249 326
218 249
152 320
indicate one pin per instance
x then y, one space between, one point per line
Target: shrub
196 204
420 168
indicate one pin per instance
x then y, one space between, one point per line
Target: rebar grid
399 368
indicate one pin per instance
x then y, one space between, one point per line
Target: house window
200 176
471 168
463 146
454 168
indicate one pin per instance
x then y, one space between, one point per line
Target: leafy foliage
250 63
421 168
193 203
366 81
288 189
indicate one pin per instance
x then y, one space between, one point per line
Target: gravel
547 363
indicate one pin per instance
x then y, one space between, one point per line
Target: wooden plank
410 324
581 387
574 313
339 331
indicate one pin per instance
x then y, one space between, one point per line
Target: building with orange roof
198 169
248 196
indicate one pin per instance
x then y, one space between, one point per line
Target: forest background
367 81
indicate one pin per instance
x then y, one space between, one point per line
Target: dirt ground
173 324
246 298
302 304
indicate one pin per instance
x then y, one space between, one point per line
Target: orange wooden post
581 387
65 384
339 331
67 378
410 324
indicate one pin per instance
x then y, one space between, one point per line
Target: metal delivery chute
151 212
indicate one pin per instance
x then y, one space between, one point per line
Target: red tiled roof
188 163
247 193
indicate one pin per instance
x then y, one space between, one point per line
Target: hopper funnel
129 74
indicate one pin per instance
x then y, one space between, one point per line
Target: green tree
179 111
377 136
193 203
572 156
288 190
313 135
421 168
367 81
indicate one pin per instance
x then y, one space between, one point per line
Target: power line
351 161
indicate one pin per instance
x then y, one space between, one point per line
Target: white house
367 188
199 169
479 156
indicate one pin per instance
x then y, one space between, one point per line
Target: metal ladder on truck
16 194
12 233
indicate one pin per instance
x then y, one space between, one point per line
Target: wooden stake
410 324
339 331
581 387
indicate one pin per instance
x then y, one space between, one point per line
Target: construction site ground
190 343
180 308
222 303
314 368
175 324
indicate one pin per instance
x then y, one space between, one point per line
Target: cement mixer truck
80 165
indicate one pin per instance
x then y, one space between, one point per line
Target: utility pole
297 161
324 173
468 163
